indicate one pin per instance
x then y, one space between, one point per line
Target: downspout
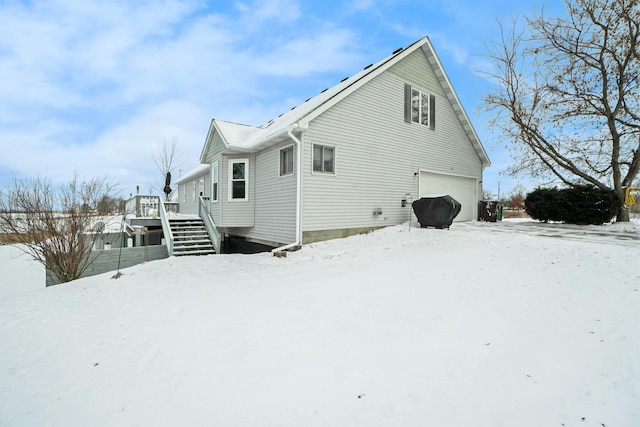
298 143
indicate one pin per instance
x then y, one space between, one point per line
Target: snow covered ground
19 272
506 324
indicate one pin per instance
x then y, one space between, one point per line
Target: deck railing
166 228
171 207
143 206
214 234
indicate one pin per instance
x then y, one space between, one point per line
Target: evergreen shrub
576 205
542 204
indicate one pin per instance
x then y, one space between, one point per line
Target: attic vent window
419 107
397 51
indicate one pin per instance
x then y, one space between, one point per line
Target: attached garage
461 188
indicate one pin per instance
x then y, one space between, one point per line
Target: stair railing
166 227
210 226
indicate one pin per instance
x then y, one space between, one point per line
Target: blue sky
96 87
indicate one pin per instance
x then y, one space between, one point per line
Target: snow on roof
248 137
193 173
252 138
237 134
311 104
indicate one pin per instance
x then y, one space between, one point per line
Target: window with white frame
193 191
201 187
184 193
323 159
420 107
239 179
214 182
286 161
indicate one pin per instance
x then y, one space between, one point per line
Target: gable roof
244 138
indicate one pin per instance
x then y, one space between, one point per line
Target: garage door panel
463 189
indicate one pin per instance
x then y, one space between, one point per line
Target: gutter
298 241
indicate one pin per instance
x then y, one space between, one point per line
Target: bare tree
53 223
568 95
165 159
108 204
515 198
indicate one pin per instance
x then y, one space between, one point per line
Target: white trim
421 94
313 171
230 180
256 139
196 172
215 179
298 167
476 193
293 163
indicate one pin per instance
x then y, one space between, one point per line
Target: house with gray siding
348 160
191 186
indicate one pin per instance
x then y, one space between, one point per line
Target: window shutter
432 112
407 103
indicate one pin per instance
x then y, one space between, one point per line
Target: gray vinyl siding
236 213
215 148
415 69
226 213
275 200
377 153
190 206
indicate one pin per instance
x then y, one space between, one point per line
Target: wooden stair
190 237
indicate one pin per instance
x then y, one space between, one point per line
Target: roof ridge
369 69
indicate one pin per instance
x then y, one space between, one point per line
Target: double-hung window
239 179
214 182
286 161
323 159
419 107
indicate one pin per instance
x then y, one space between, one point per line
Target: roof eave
208 139
384 65
200 170
452 96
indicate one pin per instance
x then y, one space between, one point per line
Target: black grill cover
436 212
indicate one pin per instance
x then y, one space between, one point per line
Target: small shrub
577 205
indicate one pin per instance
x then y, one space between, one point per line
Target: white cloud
318 53
122 153
255 15
94 87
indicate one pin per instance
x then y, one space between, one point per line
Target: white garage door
463 189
